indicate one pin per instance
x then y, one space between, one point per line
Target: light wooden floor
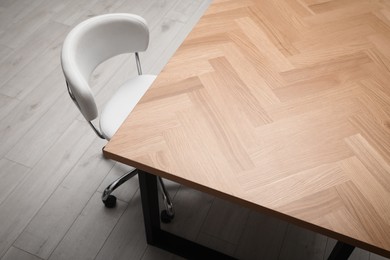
51 169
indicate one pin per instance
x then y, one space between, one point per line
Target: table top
281 106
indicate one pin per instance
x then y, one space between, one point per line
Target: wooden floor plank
7 104
302 244
28 78
90 230
15 12
32 192
188 223
16 253
18 33
156 253
4 51
11 175
17 123
46 230
32 48
74 12
266 234
42 135
234 217
127 239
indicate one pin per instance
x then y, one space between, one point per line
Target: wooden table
279 106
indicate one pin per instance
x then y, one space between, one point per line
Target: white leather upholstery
94 41
122 103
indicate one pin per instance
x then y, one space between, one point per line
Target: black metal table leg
155 236
341 251
150 206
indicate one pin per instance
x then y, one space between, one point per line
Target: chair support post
97 132
137 60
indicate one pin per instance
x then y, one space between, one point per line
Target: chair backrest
91 43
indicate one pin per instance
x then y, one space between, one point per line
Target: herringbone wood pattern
282 106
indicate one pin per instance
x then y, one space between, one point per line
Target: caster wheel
110 202
165 217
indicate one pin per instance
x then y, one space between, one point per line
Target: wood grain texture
32 191
9 182
50 224
282 106
89 232
15 253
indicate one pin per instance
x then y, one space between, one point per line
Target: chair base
109 200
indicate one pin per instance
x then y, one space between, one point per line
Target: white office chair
89 44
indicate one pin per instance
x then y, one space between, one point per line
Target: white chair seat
122 103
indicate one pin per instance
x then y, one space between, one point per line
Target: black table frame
155 236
